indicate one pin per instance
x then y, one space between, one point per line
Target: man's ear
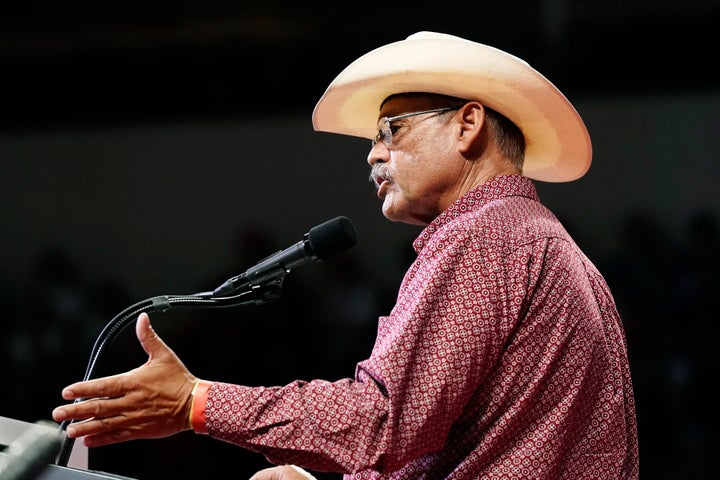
471 118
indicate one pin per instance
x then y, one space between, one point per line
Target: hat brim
558 147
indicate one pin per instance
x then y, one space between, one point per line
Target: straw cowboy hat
558 147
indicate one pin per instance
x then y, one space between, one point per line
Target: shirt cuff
197 412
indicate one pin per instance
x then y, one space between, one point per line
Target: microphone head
332 237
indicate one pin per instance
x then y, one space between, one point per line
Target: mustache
378 173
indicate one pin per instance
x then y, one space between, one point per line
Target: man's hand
151 401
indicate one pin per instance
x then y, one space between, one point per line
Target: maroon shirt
503 358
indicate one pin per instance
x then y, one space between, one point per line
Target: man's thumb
150 341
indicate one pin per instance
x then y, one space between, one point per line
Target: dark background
160 147
114 61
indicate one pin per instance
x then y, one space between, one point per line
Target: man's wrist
198 398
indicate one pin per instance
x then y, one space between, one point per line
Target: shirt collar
499 187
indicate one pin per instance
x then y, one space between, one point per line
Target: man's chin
392 212
389 211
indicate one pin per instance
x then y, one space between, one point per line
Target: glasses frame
385 133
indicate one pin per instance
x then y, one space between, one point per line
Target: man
504 356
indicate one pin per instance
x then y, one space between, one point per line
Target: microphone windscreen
331 237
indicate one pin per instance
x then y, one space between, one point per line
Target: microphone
29 454
319 243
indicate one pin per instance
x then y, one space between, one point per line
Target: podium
11 431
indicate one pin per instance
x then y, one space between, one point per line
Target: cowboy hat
557 143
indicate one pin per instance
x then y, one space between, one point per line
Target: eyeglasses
386 129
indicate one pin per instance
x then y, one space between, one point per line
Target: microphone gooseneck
258 285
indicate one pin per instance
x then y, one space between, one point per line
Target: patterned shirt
503 358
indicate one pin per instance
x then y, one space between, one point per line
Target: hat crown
423 35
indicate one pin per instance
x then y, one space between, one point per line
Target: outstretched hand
150 401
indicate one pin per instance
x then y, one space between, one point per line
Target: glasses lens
384 132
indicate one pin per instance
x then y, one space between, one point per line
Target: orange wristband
199 396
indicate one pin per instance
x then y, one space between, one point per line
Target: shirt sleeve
326 426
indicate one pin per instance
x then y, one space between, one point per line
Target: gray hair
508 137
